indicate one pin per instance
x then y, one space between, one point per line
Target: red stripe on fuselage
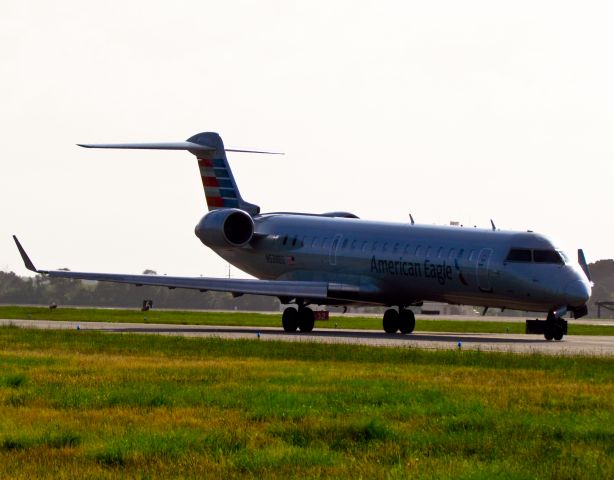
205 162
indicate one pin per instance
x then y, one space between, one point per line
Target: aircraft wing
276 288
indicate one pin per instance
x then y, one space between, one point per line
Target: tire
558 332
289 319
391 321
407 321
306 320
549 330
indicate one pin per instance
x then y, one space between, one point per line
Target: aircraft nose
577 293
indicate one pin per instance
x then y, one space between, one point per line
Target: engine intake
225 228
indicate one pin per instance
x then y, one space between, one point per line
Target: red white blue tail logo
220 187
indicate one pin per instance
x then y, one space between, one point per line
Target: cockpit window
519 255
547 256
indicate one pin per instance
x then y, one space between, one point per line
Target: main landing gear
403 321
303 319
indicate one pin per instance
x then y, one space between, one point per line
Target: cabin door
483 272
334 247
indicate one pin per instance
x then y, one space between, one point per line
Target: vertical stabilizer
221 190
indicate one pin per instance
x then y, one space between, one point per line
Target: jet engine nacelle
225 228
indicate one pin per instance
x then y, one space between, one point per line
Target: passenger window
365 245
440 252
519 255
460 253
354 244
407 248
374 247
314 244
472 255
285 240
325 242
294 242
345 243
418 251
547 256
385 247
428 252
451 254
335 242
396 248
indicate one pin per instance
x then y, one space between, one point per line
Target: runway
571 345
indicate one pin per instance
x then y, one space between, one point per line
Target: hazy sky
450 110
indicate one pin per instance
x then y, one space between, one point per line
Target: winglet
583 264
26 260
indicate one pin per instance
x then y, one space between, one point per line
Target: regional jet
338 259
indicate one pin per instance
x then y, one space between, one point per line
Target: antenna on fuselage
493 225
411 218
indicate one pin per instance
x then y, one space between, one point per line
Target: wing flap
277 288
283 288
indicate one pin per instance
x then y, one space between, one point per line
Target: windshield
527 255
519 255
547 256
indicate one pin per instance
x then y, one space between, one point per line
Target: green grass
271 320
79 404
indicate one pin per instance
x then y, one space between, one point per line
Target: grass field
79 404
268 320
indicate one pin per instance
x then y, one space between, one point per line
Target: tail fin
221 190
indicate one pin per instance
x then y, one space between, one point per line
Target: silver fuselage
403 264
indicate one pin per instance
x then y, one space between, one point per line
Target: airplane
338 259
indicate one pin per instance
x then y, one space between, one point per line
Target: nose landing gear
555 327
404 321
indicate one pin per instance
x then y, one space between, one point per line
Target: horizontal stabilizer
192 147
189 146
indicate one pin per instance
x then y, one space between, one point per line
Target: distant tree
602 275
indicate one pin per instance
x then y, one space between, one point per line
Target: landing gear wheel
306 319
550 329
558 331
391 321
407 321
289 319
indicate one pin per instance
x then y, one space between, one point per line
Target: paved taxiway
571 345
